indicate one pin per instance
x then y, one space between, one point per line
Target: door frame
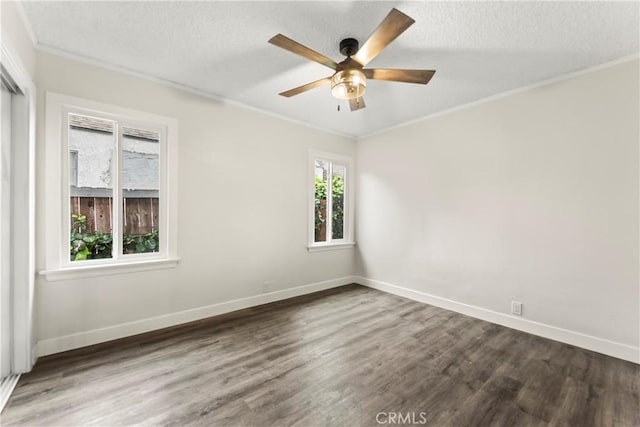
23 210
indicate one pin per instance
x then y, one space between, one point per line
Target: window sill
81 272
330 246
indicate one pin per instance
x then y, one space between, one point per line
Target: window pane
321 180
91 153
73 168
140 190
337 214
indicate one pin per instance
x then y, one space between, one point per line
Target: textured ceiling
479 49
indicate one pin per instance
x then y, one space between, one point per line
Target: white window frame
348 240
58 263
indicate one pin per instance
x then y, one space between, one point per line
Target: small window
331 211
114 204
73 168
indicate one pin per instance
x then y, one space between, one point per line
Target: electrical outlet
267 286
516 308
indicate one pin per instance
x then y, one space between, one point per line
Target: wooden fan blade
407 76
298 90
356 103
391 27
295 47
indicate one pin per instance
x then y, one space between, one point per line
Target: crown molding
26 23
209 95
491 98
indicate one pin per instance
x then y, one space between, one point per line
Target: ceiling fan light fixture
348 84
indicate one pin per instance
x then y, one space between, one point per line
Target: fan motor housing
349 47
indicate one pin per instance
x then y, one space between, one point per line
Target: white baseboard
610 348
96 336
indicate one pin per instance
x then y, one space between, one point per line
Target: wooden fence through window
140 214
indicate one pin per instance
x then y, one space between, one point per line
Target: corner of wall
17 35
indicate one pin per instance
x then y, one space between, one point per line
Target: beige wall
242 207
532 197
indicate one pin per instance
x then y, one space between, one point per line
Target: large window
111 165
117 181
331 221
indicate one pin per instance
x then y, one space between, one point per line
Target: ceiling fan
350 78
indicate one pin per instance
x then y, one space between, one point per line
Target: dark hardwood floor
350 356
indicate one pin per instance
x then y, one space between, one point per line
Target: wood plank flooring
342 357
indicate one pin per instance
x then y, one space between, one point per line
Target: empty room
320 213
